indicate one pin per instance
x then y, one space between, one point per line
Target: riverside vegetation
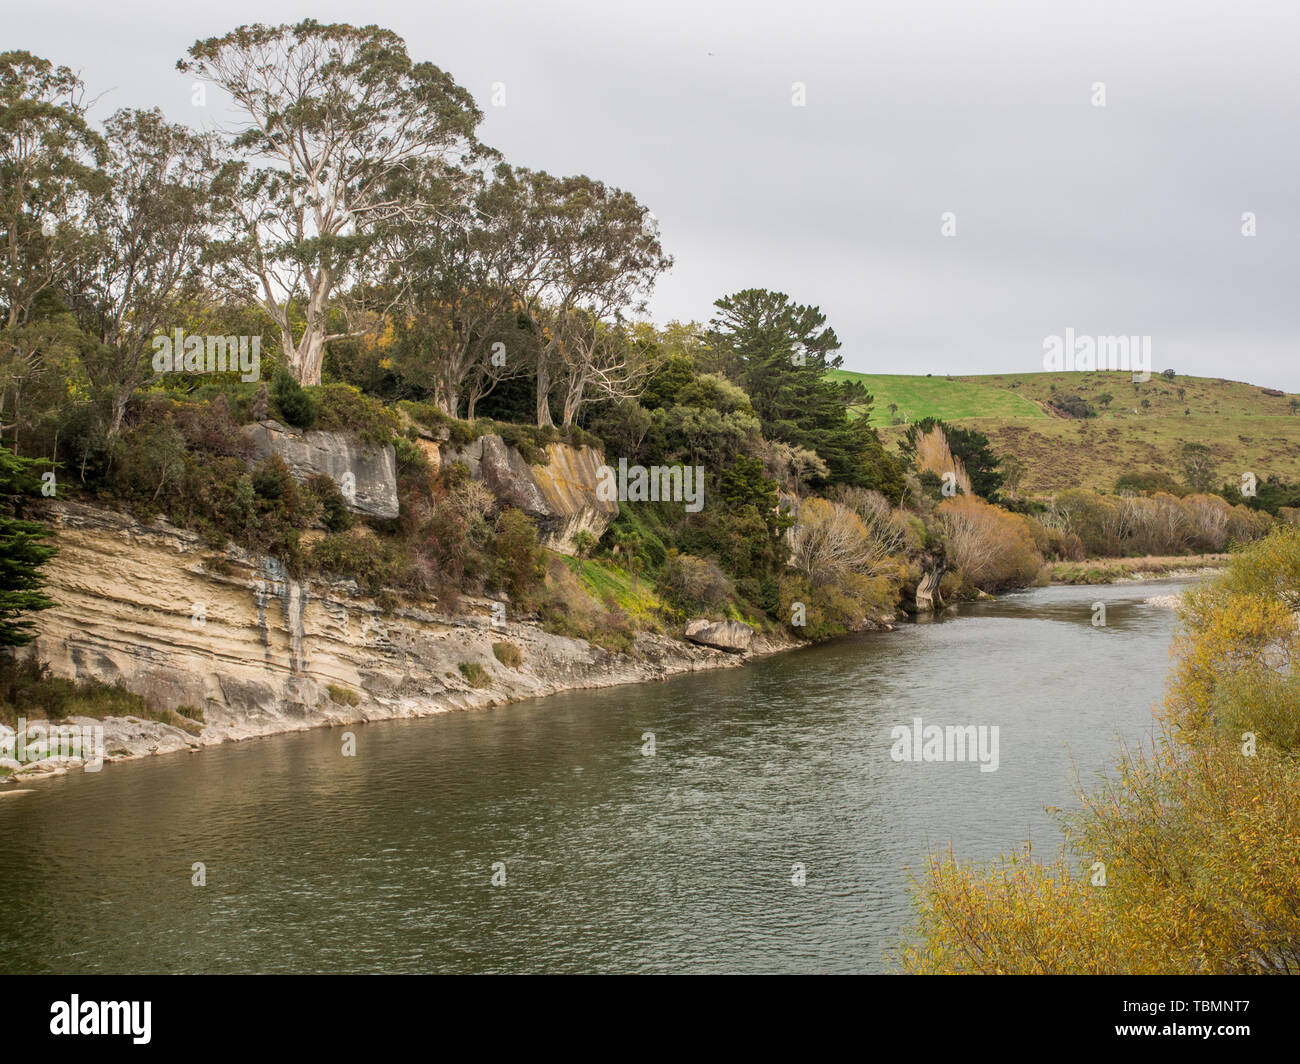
428 289
1184 858
404 283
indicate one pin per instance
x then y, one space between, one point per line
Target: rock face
560 496
731 636
927 591
258 651
366 475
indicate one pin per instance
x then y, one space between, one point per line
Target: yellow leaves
991 546
1201 840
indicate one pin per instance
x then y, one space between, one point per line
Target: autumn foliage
991 547
1185 860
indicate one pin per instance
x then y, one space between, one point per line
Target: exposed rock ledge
366 474
731 636
561 496
257 651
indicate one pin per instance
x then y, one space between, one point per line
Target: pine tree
782 354
22 552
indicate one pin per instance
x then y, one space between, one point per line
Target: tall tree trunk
311 358
573 396
450 404
543 395
119 412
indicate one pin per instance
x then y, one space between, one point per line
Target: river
613 859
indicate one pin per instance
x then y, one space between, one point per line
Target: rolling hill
1139 427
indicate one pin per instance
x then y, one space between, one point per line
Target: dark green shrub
343 408
334 507
519 560
1148 483
296 407
1073 405
370 561
150 463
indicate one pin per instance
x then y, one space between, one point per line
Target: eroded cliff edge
260 652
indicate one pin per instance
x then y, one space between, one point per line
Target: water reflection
614 861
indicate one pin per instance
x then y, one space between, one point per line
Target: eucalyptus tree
337 119
151 226
583 257
597 359
49 157
450 312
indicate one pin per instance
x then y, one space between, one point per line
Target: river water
613 860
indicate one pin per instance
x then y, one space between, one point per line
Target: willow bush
1186 859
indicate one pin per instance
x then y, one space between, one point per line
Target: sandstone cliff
259 651
367 475
559 496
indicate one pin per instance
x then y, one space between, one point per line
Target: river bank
619 855
246 650
241 649
1129 570
653 657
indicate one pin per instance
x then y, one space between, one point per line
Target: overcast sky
1123 219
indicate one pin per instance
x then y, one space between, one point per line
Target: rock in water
731 636
927 591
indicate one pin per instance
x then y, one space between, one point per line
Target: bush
830 541
834 609
508 654
1148 483
519 563
210 428
344 696
475 674
993 549
1239 653
360 556
343 408
1054 544
1197 834
741 539
150 463
410 458
695 585
1072 406
27 689
650 525
296 407
334 507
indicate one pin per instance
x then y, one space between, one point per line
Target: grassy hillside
1142 426
950 398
